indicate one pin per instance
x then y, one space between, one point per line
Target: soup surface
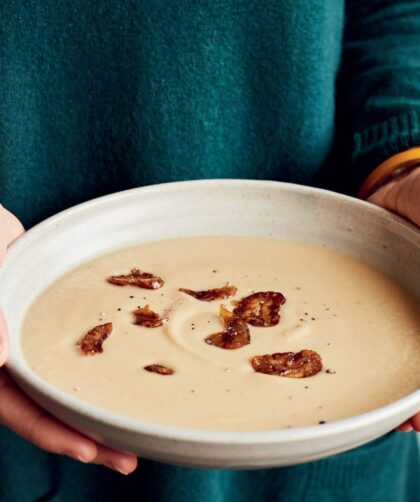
365 327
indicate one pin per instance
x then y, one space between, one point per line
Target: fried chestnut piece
236 332
91 343
147 318
261 309
137 278
158 368
289 364
212 294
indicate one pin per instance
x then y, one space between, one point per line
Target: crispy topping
158 368
261 309
91 343
137 278
236 332
147 318
289 364
212 294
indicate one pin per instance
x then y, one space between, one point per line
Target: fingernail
406 428
119 469
80 458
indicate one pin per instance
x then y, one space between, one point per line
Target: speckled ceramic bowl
206 207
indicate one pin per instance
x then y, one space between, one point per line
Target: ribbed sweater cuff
377 143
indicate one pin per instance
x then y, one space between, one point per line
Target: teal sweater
99 95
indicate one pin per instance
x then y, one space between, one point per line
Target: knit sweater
99 95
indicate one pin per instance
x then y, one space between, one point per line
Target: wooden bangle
391 168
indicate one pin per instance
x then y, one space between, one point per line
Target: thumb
10 230
4 340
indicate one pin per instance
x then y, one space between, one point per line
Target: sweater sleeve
380 80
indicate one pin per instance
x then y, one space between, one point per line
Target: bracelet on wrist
392 168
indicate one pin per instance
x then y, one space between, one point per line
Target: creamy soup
365 327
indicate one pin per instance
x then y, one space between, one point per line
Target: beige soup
365 327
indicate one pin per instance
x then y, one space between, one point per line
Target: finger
401 196
120 461
415 422
11 229
405 427
392 197
21 415
408 204
379 197
13 226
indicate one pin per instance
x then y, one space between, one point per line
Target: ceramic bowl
227 207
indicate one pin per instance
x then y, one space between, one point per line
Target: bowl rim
23 373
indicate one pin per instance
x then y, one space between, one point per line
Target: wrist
400 164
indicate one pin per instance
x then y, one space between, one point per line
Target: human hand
23 416
402 196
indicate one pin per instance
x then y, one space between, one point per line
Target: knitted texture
98 96
380 81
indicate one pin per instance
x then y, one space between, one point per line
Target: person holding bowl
100 97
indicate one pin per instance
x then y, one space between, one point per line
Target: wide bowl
217 207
